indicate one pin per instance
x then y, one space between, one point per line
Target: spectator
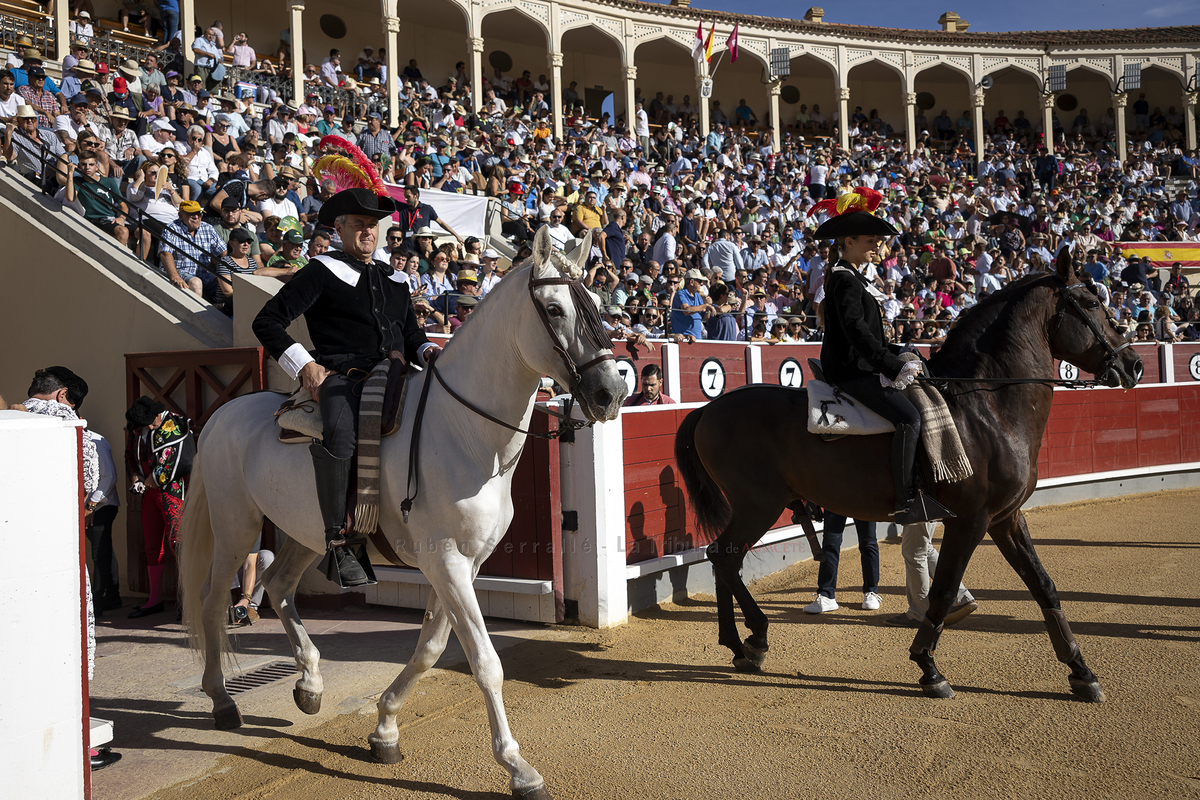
651 393
189 250
97 198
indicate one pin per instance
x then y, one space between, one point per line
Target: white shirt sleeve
294 359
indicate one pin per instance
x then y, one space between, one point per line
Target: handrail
134 213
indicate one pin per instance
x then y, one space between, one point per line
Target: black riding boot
333 480
911 505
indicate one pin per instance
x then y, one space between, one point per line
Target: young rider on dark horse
356 315
854 354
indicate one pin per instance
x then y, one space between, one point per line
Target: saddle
299 417
833 414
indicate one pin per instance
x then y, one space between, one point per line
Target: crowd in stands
693 236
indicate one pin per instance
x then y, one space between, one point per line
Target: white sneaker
821 605
871 602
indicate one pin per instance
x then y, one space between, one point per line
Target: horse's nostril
603 398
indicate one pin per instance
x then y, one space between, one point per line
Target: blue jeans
199 193
170 23
831 546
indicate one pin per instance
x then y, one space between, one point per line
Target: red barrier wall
1187 362
731 356
1090 430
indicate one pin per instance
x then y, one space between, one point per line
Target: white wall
41 696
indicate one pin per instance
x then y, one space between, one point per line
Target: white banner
466 213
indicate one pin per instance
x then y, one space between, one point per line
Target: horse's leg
961 537
280 580
1013 540
746 526
385 741
727 631
215 592
452 578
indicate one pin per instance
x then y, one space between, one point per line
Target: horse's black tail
707 499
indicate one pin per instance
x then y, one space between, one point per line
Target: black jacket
351 326
854 345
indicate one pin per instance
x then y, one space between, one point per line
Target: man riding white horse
356 315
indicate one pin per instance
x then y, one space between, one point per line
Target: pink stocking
156 574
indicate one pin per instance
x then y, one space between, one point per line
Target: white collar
343 272
871 289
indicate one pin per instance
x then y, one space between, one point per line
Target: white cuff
294 359
422 350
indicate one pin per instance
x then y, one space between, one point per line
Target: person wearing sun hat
854 354
356 315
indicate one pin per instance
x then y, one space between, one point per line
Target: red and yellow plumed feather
350 171
861 199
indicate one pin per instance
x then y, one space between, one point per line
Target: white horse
528 327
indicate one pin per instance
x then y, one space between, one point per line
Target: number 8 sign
712 378
1068 371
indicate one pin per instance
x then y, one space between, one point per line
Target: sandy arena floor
652 709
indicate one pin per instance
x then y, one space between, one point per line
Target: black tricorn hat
854 223
356 201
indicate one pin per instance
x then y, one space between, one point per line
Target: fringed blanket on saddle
379 413
832 413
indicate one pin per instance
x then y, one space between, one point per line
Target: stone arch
1016 91
517 9
816 79
593 62
664 64
951 89
511 30
412 10
942 62
1082 66
435 34
871 86
1015 67
591 26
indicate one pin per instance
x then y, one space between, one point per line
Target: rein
1111 353
593 330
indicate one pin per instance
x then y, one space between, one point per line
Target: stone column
774 88
704 104
1190 101
476 45
977 121
1119 102
844 116
1048 101
910 115
62 32
630 122
392 25
555 62
187 25
296 26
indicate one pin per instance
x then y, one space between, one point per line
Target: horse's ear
1065 266
543 246
582 251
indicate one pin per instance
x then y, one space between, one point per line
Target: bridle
1108 366
1111 353
588 318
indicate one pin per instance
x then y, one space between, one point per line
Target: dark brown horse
1015 333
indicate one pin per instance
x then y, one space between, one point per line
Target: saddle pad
833 412
300 418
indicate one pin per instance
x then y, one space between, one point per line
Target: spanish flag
708 44
1163 254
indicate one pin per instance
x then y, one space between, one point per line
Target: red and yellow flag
1163 254
708 44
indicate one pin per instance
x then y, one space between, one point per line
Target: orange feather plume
861 199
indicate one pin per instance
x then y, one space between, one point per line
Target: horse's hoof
226 719
386 753
1087 690
539 793
308 702
753 654
939 691
746 665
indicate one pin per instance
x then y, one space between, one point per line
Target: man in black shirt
415 215
356 315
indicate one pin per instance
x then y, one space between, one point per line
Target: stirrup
922 508
348 569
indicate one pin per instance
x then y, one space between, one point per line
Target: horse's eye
554 310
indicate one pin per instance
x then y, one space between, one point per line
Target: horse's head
1082 332
572 347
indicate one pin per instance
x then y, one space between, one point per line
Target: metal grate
260 677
